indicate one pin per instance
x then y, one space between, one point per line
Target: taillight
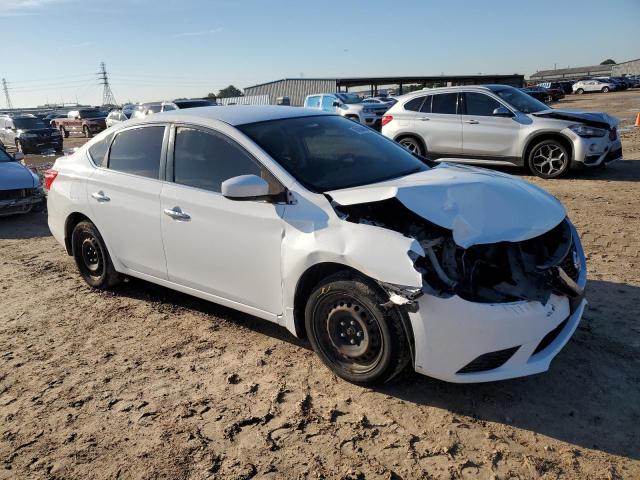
386 119
49 176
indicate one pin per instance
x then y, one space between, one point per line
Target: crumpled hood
14 175
594 119
479 206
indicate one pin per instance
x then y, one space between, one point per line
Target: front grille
489 361
16 194
567 264
550 337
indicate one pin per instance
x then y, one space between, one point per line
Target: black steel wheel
351 332
91 256
64 133
20 147
87 132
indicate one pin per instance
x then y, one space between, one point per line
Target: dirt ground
143 382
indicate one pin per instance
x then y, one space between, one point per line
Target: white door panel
227 248
441 133
126 210
489 136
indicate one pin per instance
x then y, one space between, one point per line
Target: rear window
414 104
444 103
98 150
137 151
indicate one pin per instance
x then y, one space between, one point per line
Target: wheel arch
539 137
70 223
314 274
414 136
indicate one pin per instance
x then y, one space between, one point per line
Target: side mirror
336 104
502 112
18 156
245 187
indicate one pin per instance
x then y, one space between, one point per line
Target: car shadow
23 226
590 397
621 171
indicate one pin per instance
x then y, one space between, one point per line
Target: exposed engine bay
530 270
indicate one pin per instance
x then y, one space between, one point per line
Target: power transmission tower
107 94
6 94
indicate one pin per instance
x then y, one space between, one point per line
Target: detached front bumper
20 205
466 342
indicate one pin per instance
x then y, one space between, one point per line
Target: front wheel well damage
318 272
72 220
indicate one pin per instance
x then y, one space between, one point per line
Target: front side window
330 152
519 100
206 159
137 151
445 103
327 103
480 104
313 102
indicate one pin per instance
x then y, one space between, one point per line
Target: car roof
457 88
234 114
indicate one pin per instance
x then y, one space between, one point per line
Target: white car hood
479 206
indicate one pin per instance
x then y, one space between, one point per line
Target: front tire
92 258
580 91
87 132
549 159
413 145
20 147
605 90
352 333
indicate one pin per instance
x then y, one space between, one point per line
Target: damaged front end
501 272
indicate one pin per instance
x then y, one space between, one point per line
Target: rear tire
358 339
64 133
92 258
87 132
413 145
549 159
605 90
580 91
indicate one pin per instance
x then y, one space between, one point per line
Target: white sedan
333 231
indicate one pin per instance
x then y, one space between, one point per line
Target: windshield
330 152
519 100
349 98
91 114
5 157
195 103
29 123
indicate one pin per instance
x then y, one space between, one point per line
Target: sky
166 49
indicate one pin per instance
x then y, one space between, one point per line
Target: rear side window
444 103
414 105
480 104
98 150
137 151
206 159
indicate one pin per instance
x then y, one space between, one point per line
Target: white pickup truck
350 106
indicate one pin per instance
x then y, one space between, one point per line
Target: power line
107 94
6 94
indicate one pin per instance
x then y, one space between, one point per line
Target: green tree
211 96
608 61
230 91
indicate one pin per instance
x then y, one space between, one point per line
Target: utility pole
6 94
107 94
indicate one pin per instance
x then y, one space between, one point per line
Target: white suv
501 125
329 229
594 85
349 106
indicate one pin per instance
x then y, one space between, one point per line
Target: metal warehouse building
572 73
298 88
632 67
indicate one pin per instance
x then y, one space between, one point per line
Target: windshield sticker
360 129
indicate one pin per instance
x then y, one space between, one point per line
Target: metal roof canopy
476 79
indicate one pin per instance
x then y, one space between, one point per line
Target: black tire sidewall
388 321
533 170
108 275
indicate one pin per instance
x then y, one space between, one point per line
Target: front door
484 135
125 199
227 248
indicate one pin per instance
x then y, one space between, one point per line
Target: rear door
406 115
440 125
124 196
484 135
227 248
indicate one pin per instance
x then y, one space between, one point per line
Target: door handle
472 122
423 119
177 214
100 196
